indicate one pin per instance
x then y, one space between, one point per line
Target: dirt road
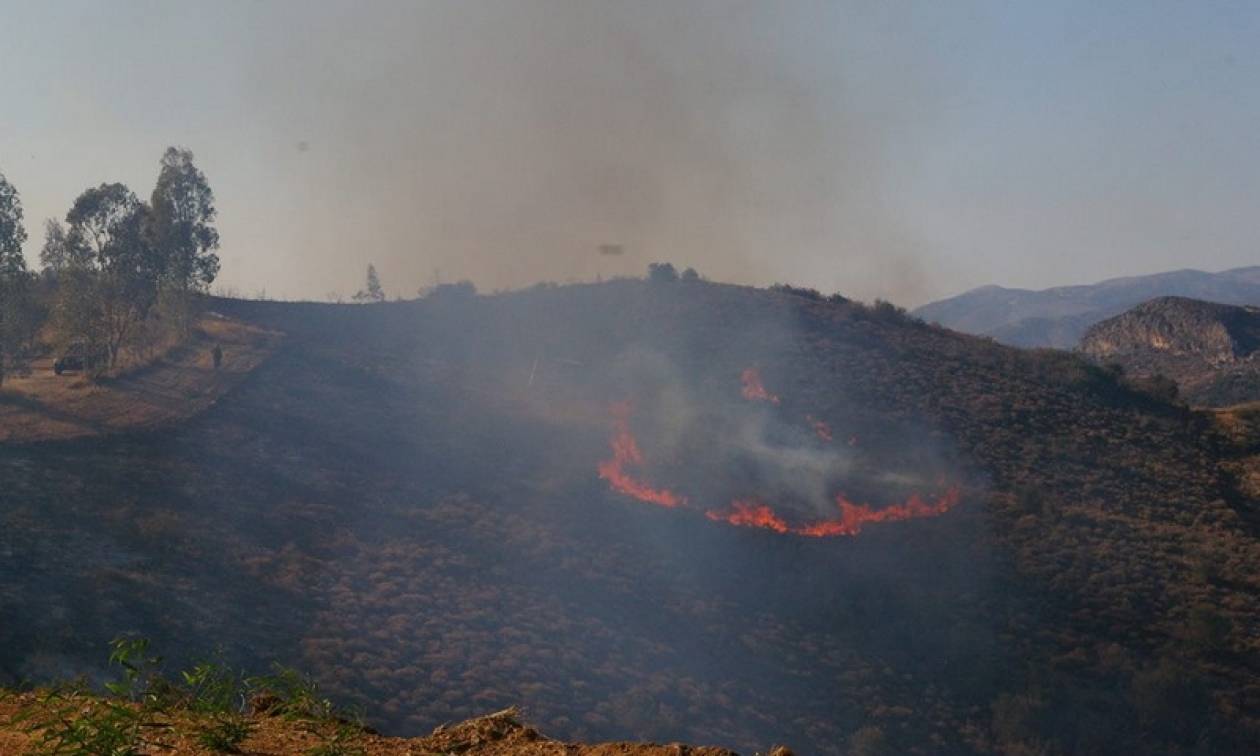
44 406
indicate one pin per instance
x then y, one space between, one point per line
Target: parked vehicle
78 356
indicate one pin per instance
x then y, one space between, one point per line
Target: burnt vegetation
404 501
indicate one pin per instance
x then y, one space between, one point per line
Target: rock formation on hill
1211 350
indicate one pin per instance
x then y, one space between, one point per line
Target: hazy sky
904 150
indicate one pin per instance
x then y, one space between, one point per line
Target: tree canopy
16 314
12 232
181 227
56 254
108 241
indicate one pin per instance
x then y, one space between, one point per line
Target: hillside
44 406
673 512
1212 351
1058 317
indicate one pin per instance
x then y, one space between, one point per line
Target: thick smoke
707 441
515 142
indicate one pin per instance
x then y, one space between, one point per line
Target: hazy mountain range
1058 317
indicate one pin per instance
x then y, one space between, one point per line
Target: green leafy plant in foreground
213 687
224 733
291 694
71 720
218 692
341 743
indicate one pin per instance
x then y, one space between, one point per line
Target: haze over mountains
1059 316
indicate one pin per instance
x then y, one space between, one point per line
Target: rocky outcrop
1211 350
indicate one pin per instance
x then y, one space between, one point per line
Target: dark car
78 356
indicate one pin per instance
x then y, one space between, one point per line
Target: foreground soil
44 406
498 734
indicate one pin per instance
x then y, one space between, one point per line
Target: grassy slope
393 506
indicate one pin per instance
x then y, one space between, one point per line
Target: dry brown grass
498 734
172 384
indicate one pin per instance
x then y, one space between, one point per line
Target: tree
19 324
181 226
16 311
372 292
57 254
116 285
452 293
12 232
662 273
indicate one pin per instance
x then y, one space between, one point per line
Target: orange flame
753 389
849 523
626 452
750 514
821 429
854 516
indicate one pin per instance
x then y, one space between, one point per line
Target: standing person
217 354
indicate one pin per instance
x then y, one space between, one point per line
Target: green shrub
342 743
224 733
212 687
292 694
70 722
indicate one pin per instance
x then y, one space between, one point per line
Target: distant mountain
1211 350
1058 317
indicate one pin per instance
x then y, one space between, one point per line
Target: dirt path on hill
44 406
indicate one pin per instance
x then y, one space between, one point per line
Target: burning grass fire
751 512
821 429
626 452
849 523
753 389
